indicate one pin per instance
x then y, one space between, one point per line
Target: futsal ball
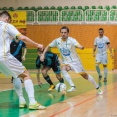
61 87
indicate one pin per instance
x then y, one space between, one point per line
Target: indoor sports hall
43 21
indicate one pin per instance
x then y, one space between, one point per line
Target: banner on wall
18 19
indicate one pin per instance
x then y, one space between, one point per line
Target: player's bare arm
43 55
29 41
24 55
94 49
80 46
38 77
110 49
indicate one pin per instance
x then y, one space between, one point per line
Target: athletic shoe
99 78
71 89
22 105
100 91
105 80
51 87
36 106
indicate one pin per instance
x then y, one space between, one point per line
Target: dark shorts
56 67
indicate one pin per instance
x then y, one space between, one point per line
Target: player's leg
14 68
30 91
18 88
8 68
59 77
78 68
98 61
20 60
98 71
105 73
57 70
67 77
104 62
91 79
44 71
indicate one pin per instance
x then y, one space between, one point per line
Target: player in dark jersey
51 61
16 50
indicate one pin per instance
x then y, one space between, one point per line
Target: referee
16 47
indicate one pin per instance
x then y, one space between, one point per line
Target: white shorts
11 67
102 59
76 66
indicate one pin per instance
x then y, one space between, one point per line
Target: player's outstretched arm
80 46
29 41
43 55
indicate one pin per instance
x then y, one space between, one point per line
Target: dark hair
38 49
5 13
101 29
65 27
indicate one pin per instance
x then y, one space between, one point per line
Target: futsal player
10 66
101 43
67 47
50 61
16 47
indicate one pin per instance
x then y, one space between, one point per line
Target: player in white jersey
9 65
71 61
101 43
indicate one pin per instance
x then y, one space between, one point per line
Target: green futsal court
9 101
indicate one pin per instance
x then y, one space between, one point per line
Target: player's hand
82 48
40 46
39 83
93 55
42 58
23 58
111 55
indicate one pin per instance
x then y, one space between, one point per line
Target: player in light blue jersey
101 43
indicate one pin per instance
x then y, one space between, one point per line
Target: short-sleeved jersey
7 32
16 48
49 61
101 44
67 48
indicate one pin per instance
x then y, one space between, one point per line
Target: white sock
18 88
30 90
67 77
91 79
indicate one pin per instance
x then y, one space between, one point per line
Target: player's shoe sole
36 106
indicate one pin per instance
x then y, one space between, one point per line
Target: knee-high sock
105 72
91 79
47 78
98 69
67 77
61 80
18 88
30 90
